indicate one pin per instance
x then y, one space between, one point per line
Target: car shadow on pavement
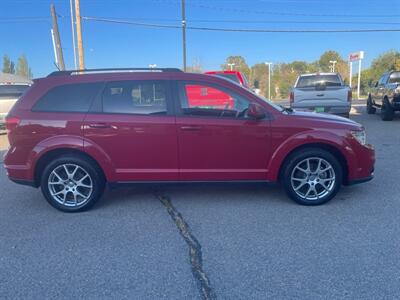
270 193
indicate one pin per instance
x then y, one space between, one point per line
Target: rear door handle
99 125
190 128
320 95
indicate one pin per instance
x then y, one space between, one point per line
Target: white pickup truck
321 92
11 88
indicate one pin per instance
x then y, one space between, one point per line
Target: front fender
309 138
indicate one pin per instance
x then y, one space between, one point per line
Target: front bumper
361 163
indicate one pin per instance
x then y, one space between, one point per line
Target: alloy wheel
313 178
70 185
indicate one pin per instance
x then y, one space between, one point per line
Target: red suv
73 132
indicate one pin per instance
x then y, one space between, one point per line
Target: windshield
394 77
13 90
314 80
274 105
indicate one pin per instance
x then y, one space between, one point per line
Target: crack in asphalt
195 254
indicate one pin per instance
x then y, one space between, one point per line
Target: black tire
370 107
387 113
313 154
95 180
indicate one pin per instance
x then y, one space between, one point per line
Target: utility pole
183 34
79 34
54 48
57 41
350 72
359 79
269 79
71 4
231 66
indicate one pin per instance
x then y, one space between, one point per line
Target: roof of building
12 78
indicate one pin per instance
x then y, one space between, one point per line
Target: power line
130 23
266 12
108 20
253 22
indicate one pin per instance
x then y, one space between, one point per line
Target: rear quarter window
68 98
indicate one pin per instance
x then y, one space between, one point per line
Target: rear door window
68 98
135 97
316 80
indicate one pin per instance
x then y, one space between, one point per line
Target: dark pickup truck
385 94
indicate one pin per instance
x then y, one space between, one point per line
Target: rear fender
73 143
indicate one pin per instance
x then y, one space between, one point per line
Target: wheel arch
58 152
317 145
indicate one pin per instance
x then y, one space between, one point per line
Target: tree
23 68
259 78
387 61
239 65
341 66
8 65
196 66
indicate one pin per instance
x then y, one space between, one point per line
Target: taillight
11 123
291 97
349 96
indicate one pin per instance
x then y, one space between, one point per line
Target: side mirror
256 111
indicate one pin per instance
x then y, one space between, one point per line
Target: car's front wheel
72 183
312 176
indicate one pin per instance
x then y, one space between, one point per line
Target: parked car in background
73 132
11 88
321 92
385 94
235 76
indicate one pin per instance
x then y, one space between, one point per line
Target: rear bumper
24 182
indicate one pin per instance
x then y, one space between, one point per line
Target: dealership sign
356 56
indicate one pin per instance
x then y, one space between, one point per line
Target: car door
132 123
216 139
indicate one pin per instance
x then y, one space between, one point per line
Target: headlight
360 136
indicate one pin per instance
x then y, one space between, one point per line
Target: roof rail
70 72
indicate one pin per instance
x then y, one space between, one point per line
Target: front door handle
190 128
320 95
99 125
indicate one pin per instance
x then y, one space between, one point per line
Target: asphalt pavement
215 241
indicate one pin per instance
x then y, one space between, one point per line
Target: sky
25 29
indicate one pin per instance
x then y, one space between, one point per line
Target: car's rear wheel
312 176
72 183
370 108
387 113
